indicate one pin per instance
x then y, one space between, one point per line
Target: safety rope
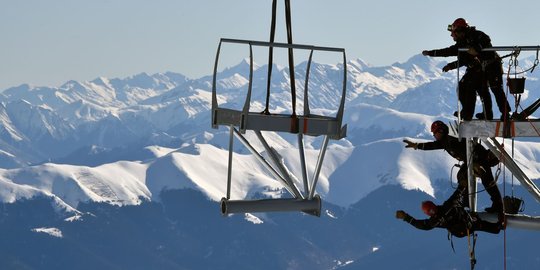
504 162
471 248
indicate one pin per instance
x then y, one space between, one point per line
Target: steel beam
308 206
517 221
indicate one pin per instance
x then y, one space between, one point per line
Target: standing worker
484 70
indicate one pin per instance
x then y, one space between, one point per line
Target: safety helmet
458 24
429 208
439 126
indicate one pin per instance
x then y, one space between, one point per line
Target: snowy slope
349 173
146 133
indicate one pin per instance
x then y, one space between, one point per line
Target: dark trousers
469 85
482 225
476 81
484 172
493 79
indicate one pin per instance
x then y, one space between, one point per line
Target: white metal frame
239 121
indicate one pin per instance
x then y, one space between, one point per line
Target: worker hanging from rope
454 218
451 216
288 21
482 161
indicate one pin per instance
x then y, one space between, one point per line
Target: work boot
485 115
462 118
496 208
505 117
496 200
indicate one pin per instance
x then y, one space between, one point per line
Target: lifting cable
288 22
270 55
291 56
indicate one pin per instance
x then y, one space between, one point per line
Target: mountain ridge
139 173
88 125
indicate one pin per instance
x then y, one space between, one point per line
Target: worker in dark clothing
482 160
484 70
454 218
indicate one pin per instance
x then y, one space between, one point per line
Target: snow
118 183
50 231
126 182
253 219
385 105
330 214
74 218
340 264
159 151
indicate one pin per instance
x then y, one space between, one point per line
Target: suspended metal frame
240 121
309 124
486 131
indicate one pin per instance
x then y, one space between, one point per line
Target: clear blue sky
46 43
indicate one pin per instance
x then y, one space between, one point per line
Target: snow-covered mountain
97 123
126 142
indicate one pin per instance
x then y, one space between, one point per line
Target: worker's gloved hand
410 144
400 214
427 53
446 68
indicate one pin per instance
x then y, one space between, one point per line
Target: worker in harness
450 216
482 162
484 70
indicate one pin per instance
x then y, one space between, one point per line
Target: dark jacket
458 149
455 219
475 39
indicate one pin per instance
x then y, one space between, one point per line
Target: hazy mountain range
132 166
